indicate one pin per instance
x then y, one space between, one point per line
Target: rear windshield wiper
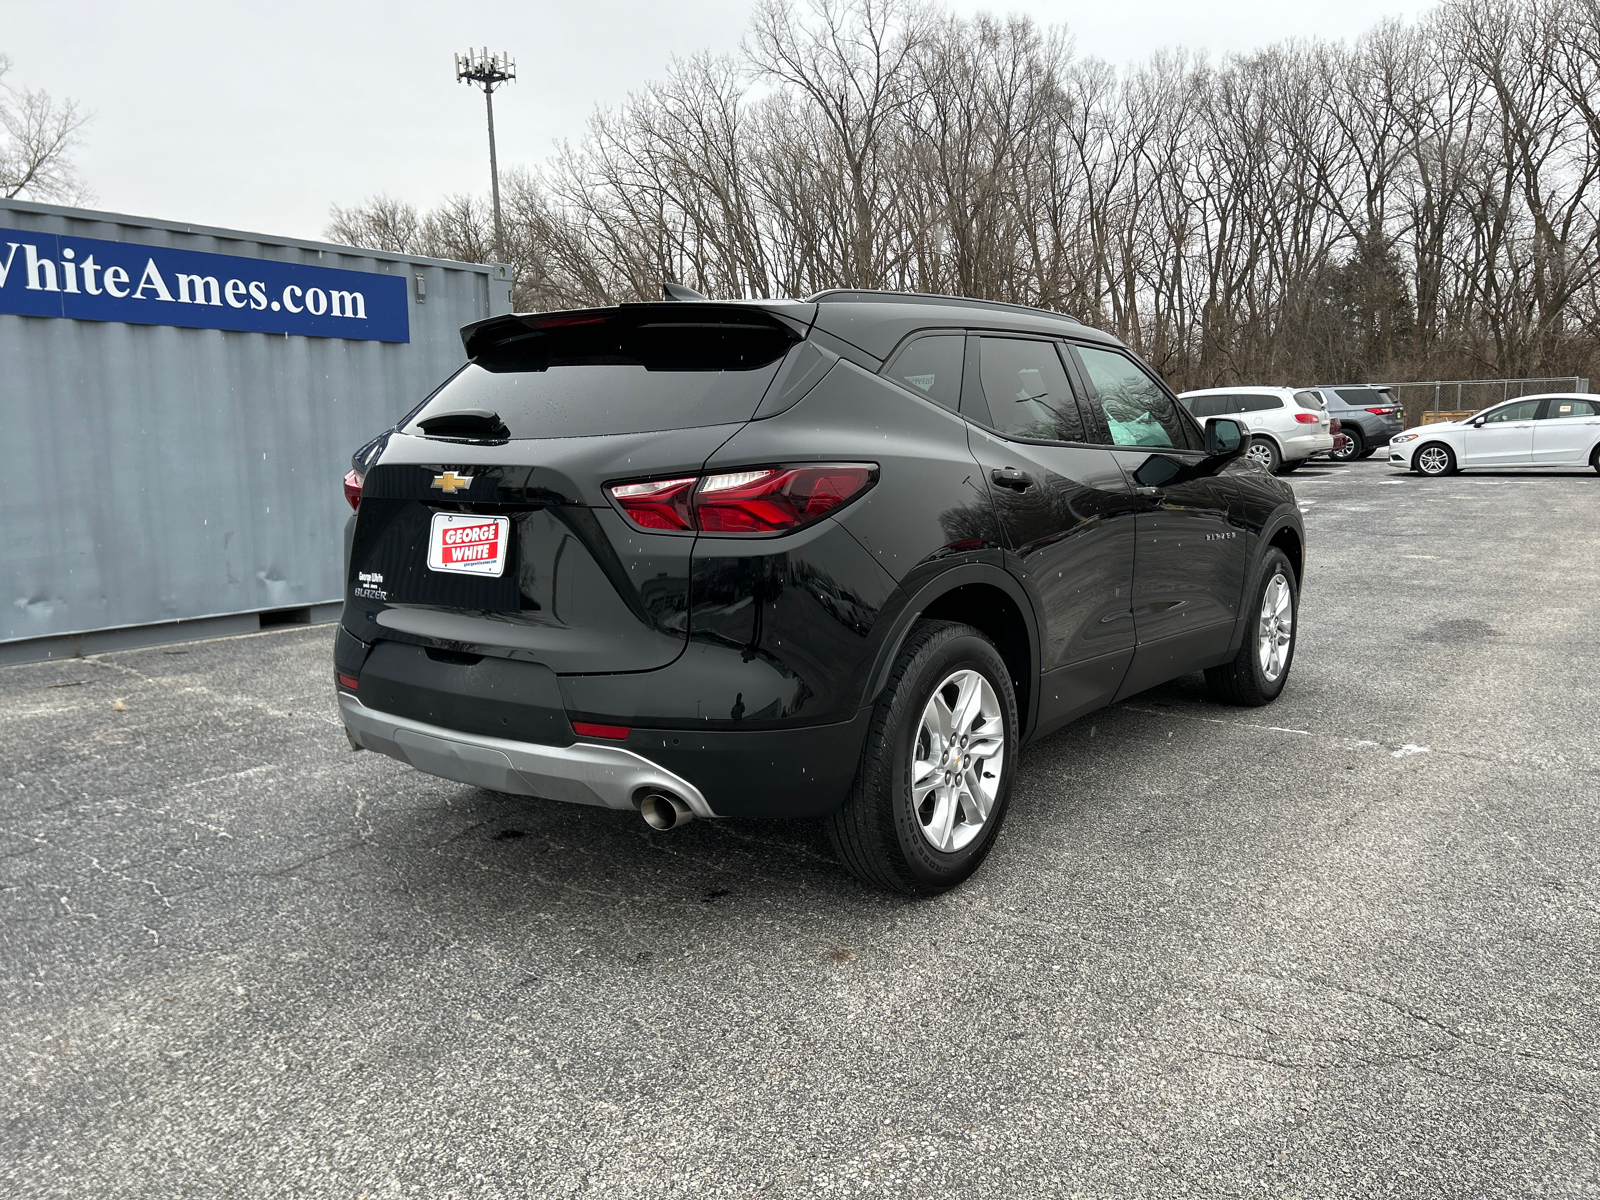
467 425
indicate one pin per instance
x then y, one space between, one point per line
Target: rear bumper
582 773
1306 445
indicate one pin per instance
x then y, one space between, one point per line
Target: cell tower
485 70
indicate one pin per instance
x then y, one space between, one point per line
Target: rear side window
1026 387
932 366
1137 409
1563 407
1311 400
1255 403
625 372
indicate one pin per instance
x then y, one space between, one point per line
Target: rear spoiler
795 316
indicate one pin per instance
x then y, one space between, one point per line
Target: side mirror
1225 438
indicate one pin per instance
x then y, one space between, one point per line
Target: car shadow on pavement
506 848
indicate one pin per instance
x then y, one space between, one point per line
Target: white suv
1287 425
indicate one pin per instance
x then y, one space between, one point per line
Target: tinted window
1027 390
1206 406
1309 400
1363 396
1255 403
932 366
1138 410
1563 408
617 374
1523 411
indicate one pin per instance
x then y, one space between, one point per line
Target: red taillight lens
658 504
353 480
349 681
1307 418
1381 412
773 500
758 500
589 729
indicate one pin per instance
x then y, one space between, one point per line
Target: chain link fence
1453 399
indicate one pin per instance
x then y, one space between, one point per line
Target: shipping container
179 405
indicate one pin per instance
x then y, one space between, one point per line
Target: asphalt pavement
1342 946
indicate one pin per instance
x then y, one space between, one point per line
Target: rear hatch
484 526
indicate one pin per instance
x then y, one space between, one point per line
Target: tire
923 840
1440 460
1255 677
1264 451
1369 452
1355 447
1594 458
1289 468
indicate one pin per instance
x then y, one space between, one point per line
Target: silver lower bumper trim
583 773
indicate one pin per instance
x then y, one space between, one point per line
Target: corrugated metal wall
153 473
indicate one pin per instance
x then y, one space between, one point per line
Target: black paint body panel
494 696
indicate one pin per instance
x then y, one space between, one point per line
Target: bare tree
1423 200
379 223
37 138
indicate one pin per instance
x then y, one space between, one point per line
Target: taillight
1307 418
757 500
658 504
1381 412
353 480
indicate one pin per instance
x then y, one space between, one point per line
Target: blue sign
50 275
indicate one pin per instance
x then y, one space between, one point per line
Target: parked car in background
1556 430
837 558
1368 416
1287 425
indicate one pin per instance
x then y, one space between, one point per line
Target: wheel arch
1293 544
991 601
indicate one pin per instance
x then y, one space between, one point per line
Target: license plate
468 545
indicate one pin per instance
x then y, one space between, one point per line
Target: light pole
485 69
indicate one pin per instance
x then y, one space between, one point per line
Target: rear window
625 372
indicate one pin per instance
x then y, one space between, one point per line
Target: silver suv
1287 425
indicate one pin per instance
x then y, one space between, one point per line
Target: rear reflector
353 480
590 729
349 681
1307 418
755 500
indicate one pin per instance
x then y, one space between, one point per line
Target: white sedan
1557 430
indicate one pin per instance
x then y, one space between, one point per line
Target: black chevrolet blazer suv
837 558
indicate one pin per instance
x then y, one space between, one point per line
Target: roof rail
863 294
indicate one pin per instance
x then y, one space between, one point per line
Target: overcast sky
258 116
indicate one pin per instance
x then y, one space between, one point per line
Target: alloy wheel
1261 453
957 760
1433 460
1276 628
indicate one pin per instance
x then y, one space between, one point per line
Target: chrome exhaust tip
663 810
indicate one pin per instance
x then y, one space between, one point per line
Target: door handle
1011 478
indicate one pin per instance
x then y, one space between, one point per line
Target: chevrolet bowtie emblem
450 483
